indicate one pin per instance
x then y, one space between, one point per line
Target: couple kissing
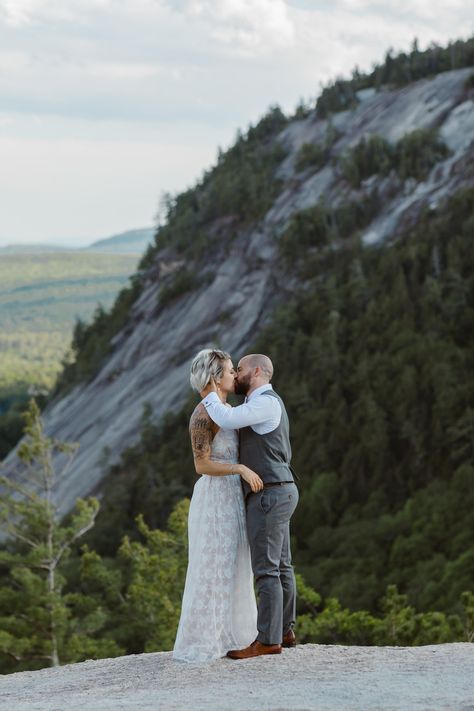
239 516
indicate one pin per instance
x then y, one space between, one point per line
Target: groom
264 447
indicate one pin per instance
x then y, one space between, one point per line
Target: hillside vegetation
58 607
374 359
397 70
372 354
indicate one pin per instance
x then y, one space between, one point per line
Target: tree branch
75 537
13 532
15 486
13 655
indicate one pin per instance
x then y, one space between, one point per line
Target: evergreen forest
374 359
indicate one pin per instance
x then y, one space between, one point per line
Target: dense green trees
57 608
240 187
319 226
398 623
139 590
151 478
13 400
413 156
64 602
381 341
35 621
373 357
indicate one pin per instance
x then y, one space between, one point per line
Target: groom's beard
242 386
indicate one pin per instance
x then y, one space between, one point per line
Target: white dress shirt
262 414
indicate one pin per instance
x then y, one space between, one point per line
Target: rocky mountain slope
311 676
245 278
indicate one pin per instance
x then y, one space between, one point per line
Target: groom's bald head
253 371
262 362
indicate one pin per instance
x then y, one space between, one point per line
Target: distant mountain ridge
124 242
128 242
33 248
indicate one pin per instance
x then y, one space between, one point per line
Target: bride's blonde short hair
207 364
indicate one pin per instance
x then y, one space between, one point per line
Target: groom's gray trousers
268 527
268 524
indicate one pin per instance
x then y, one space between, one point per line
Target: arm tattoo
201 431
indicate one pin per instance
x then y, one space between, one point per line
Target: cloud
18 13
121 70
13 61
252 26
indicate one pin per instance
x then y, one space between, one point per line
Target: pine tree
35 620
156 574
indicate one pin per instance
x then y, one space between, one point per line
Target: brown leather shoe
289 639
254 650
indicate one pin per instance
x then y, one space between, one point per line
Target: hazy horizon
105 106
71 244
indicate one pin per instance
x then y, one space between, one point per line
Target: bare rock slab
310 677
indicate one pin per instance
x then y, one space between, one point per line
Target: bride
219 610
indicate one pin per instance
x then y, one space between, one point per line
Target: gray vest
269 455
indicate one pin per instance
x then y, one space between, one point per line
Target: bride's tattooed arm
202 431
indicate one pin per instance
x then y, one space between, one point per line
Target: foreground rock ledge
311 676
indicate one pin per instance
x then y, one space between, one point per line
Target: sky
107 104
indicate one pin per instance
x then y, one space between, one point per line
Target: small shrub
338 96
370 156
317 226
418 152
469 83
413 156
317 154
310 155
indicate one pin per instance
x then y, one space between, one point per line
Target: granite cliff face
151 355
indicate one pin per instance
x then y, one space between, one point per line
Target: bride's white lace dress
219 610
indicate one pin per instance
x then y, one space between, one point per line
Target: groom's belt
277 483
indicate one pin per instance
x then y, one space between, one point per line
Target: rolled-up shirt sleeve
259 410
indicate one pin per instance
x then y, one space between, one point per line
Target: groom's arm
259 410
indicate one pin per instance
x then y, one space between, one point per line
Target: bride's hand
252 479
